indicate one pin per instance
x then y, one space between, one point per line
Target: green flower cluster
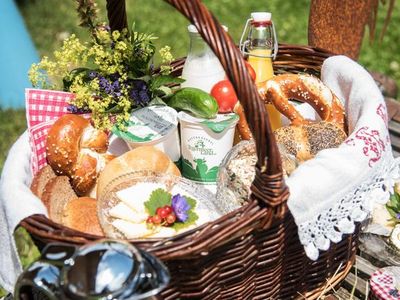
110 75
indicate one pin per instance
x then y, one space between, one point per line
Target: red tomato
225 95
251 70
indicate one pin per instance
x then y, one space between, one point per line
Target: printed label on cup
204 148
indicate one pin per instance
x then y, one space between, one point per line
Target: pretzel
304 88
303 138
76 149
307 89
242 125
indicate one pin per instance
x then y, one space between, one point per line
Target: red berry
158 210
149 219
157 219
168 209
171 218
163 213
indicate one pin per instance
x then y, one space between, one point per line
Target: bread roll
76 149
304 142
146 158
81 214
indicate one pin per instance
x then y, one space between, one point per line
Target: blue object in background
17 53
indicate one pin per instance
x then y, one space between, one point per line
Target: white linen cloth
328 193
339 187
16 203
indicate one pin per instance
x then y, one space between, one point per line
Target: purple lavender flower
139 92
398 216
112 88
75 110
93 74
72 109
180 207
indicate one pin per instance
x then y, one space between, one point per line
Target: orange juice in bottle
261 47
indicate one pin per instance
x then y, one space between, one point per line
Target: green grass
48 26
12 124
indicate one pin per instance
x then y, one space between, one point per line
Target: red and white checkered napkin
43 108
383 285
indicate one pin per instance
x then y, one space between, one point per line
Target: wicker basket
253 252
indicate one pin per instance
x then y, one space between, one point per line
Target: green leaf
395 202
391 211
158 198
69 79
192 202
163 91
396 197
161 80
191 220
157 101
114 109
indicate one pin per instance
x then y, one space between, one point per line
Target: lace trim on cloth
356 206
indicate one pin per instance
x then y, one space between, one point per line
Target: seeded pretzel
303 138
304 88
242 126
76 149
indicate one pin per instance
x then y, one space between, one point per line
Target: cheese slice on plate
124 212
132 230
136 195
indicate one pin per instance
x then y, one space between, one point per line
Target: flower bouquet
110 75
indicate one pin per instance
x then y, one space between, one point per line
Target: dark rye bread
58 192
41 179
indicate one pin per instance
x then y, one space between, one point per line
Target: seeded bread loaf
58 192
41 179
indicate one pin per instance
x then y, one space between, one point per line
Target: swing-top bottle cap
261 16
193 29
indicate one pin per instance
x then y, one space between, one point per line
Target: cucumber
195 101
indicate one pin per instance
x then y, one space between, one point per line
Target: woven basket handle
268 187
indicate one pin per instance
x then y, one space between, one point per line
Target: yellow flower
115 35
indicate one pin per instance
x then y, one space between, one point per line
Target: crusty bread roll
146 158
81 214
41 179
304 142
76 149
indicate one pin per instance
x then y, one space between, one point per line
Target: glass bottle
202 68
261 47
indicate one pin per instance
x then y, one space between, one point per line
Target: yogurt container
153 126
204 144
